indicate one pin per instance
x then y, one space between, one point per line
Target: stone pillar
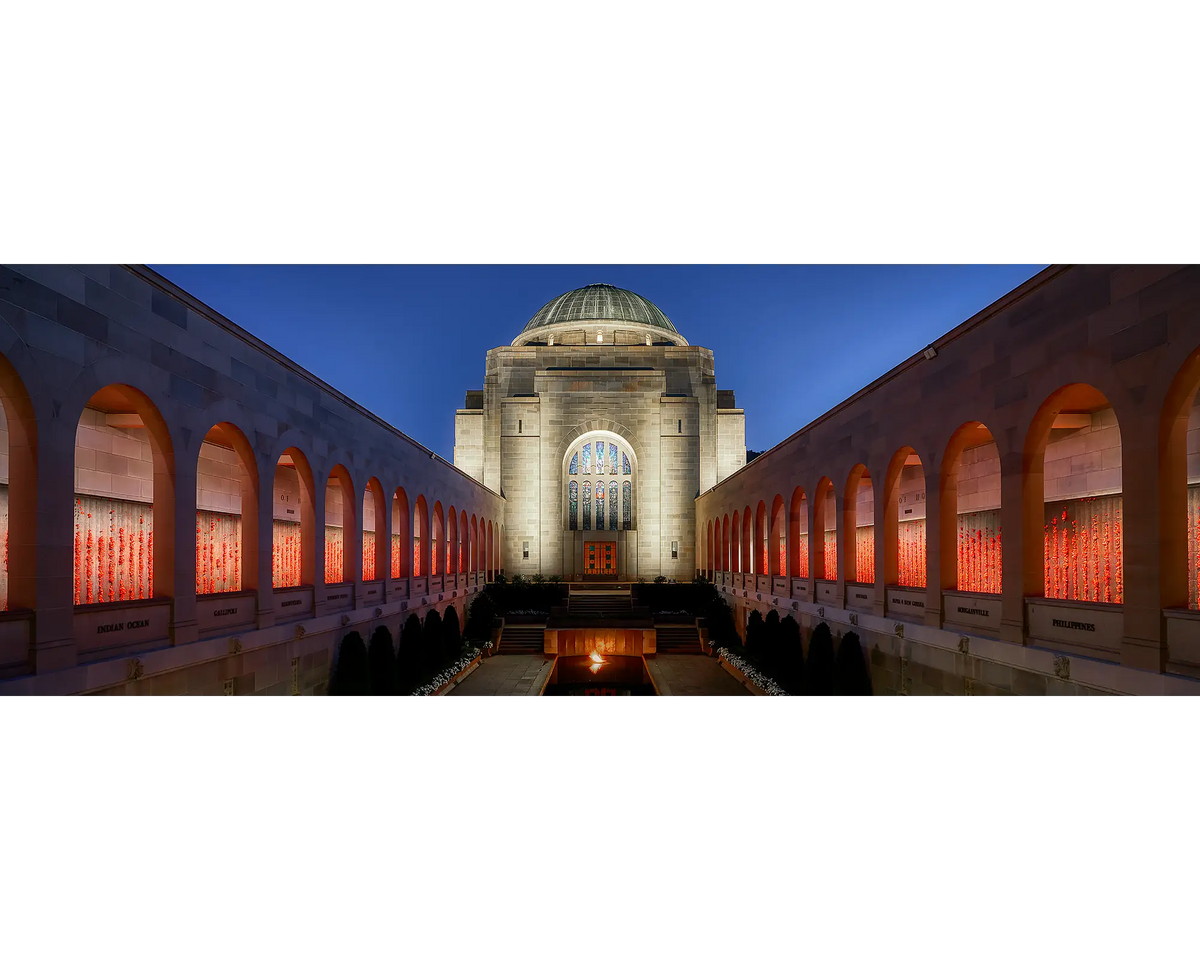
1014 483
54 645
388 532
840 517
183 590
355 550
1143 645
935 575
318 558
885 534
265 592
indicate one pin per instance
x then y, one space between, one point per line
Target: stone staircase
603 605
678 638
525 638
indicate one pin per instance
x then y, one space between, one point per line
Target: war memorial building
1015 509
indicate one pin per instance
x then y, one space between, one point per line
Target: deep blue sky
407 342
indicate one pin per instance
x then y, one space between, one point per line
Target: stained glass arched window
599 457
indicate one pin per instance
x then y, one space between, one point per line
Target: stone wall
1085 377
731 442
468 443
70 335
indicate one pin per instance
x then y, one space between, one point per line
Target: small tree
351 676
451 637
720 623
818 671
431 644
771 643
479 618
408 662
791 656
381 657
851 677
754 635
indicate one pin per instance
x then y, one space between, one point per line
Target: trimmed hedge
351 675
451 637
851 676
381 658
819 668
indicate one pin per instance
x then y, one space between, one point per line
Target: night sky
407 342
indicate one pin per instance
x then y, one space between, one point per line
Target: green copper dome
600 301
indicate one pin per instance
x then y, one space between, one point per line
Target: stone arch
1179 512
824 566
760 549
905 550
464 546
726 560
1091 564
451 541
609 432
474 559
422 537
342 558
982 570
401 545
238 534
859 549
798 534
600 425
735 543
747 546
437 541
151 571
375 548
777 548
18 567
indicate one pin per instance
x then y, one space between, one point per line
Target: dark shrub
351 677
770 659
451 637
754 634
431 644
408 662
479 618
720 624
851 677
791 656
381 658
818 670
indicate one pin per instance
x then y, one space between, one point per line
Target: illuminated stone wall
660 401
172 589
1093 550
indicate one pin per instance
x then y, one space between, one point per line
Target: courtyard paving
681 675
513 675
675 675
